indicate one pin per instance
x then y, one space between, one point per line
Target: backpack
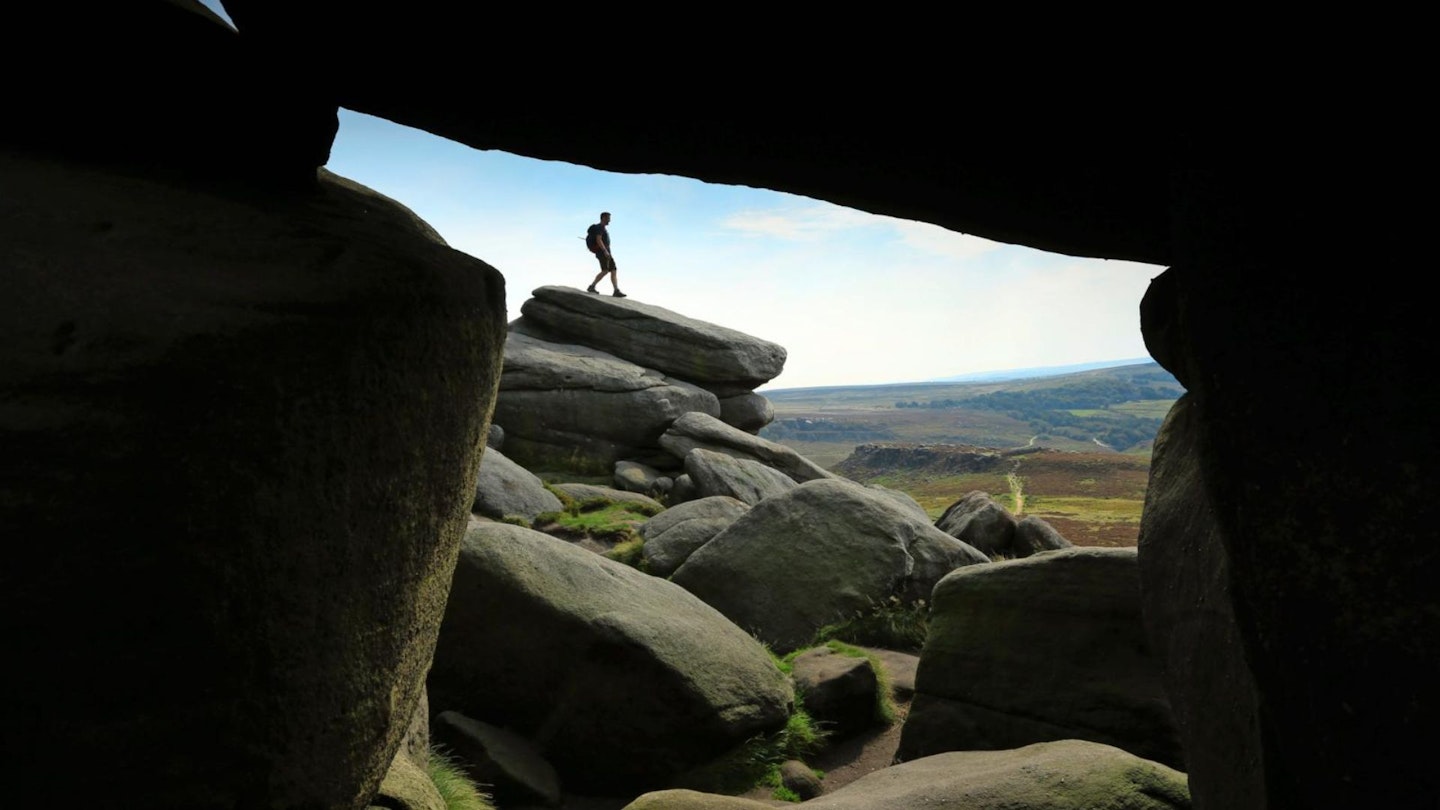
590 240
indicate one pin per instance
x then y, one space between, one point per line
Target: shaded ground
843 762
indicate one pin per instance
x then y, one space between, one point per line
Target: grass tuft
756 762
890 624
459 791
631 552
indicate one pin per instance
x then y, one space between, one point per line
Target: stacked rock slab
591 380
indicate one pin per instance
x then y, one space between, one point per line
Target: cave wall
1314 436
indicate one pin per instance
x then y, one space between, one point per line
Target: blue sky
854 298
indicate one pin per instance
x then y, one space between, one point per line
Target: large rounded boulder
817 554
622 680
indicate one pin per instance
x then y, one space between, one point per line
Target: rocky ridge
757 545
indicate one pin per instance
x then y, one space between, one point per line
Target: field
1090 492
1093 499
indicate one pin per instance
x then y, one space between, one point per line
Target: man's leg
603 270
615 278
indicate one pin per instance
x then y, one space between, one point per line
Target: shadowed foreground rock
621 680
1050 647
1185 591
1307 436
231 576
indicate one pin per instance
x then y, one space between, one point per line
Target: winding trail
1017 488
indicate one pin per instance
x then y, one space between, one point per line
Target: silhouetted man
597 238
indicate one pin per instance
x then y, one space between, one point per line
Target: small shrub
458 790
515 520
890 624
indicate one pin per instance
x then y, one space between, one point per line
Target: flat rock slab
655 337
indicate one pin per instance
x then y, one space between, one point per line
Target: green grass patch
1145 408
784 794
630 552
601 520
1093 510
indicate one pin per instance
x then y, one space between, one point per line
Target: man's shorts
607 262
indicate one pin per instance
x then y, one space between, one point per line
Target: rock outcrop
691 430
981 522
711 474
673 535
725 361
986 524
591 381
572 408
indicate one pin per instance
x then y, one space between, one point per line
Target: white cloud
808 223
813 223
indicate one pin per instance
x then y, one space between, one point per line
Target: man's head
604 217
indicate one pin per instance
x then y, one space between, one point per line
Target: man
597 238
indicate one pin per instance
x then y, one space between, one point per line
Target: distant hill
938 440
1039 371
887 394
1109 409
